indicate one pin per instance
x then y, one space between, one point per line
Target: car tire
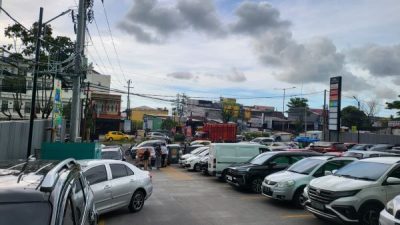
223 176
196 167
126 139
110 139
369 214
298 198
256 185
137 201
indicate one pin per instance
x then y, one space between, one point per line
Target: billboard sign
335 96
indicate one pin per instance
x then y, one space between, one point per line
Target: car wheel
298 198
196 167
369 214
223 176
126 139
256 185
137 201
110 139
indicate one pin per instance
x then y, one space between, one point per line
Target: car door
122 184
276 164
331 166
393 189
99 182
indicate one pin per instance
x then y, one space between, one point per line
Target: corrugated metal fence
14 137
367 138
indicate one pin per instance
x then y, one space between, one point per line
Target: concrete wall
14 137
366 138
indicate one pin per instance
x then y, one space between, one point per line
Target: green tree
296 103
394 105
352 116
297 109
168 124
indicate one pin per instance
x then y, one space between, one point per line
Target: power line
13 19
112 40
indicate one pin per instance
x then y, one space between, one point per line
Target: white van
222 156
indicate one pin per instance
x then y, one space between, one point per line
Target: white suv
356 193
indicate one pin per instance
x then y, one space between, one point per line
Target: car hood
193 158
186 156
336 183
285 176
242 166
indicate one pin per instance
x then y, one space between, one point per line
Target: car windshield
34 213
358 147
357 170
353 154
204 153
111 155
305 166
260 159
197 150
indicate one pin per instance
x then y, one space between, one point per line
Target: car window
330 166
281 161
395 173
114 132
129 171
78 199
68 218
96 174
118 170
119 133
296 158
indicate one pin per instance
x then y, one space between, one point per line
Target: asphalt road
188 198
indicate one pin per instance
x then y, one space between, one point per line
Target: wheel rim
256 185
138 201
371 217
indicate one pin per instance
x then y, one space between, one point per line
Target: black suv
45 193
251 174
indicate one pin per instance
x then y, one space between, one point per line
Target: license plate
317 205
229 177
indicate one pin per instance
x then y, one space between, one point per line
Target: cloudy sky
245 49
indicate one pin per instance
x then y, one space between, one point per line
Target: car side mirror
327 172
334 171
393 180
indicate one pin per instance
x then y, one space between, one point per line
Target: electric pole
283 103
358 122
128 102
35 74
76 80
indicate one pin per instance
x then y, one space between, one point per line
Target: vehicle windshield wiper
347 176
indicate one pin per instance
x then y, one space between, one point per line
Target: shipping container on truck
225 132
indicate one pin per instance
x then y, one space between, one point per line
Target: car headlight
288 183
389 207
342 194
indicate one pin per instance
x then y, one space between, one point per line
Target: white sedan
117 184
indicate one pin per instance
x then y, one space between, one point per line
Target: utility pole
358 122
283 103
76 85
128 102
35 74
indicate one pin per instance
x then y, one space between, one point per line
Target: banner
57 110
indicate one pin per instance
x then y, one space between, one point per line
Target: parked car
288 185
192 163
224 155
200 142
361 147
279 146
45 193
391 214
198 150
158 136
381 147
112 152
117 184
189 149
116 136
367 154
356 193
324 147
263 140
251 174
150 143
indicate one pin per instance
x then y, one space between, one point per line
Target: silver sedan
117 184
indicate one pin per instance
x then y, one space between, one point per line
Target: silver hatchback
117 184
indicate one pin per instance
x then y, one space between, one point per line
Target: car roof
173 145
387 160
23 181
93 162
371 152
294 153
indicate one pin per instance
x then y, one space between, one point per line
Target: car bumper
236 180
329 213
387 219
272 191
149 190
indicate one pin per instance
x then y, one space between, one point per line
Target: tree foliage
352 116
168 124
394 105
296 103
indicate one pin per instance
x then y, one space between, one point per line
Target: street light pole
358 123
283 103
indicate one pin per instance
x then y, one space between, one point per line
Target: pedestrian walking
158 156
146 156
164 156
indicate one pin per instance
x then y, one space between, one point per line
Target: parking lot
181 198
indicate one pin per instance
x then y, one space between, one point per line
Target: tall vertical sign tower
335 97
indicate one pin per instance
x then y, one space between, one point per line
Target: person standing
146 156
164 156
158 156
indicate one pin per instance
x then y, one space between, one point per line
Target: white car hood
186 156
193 158
285 176
336 183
